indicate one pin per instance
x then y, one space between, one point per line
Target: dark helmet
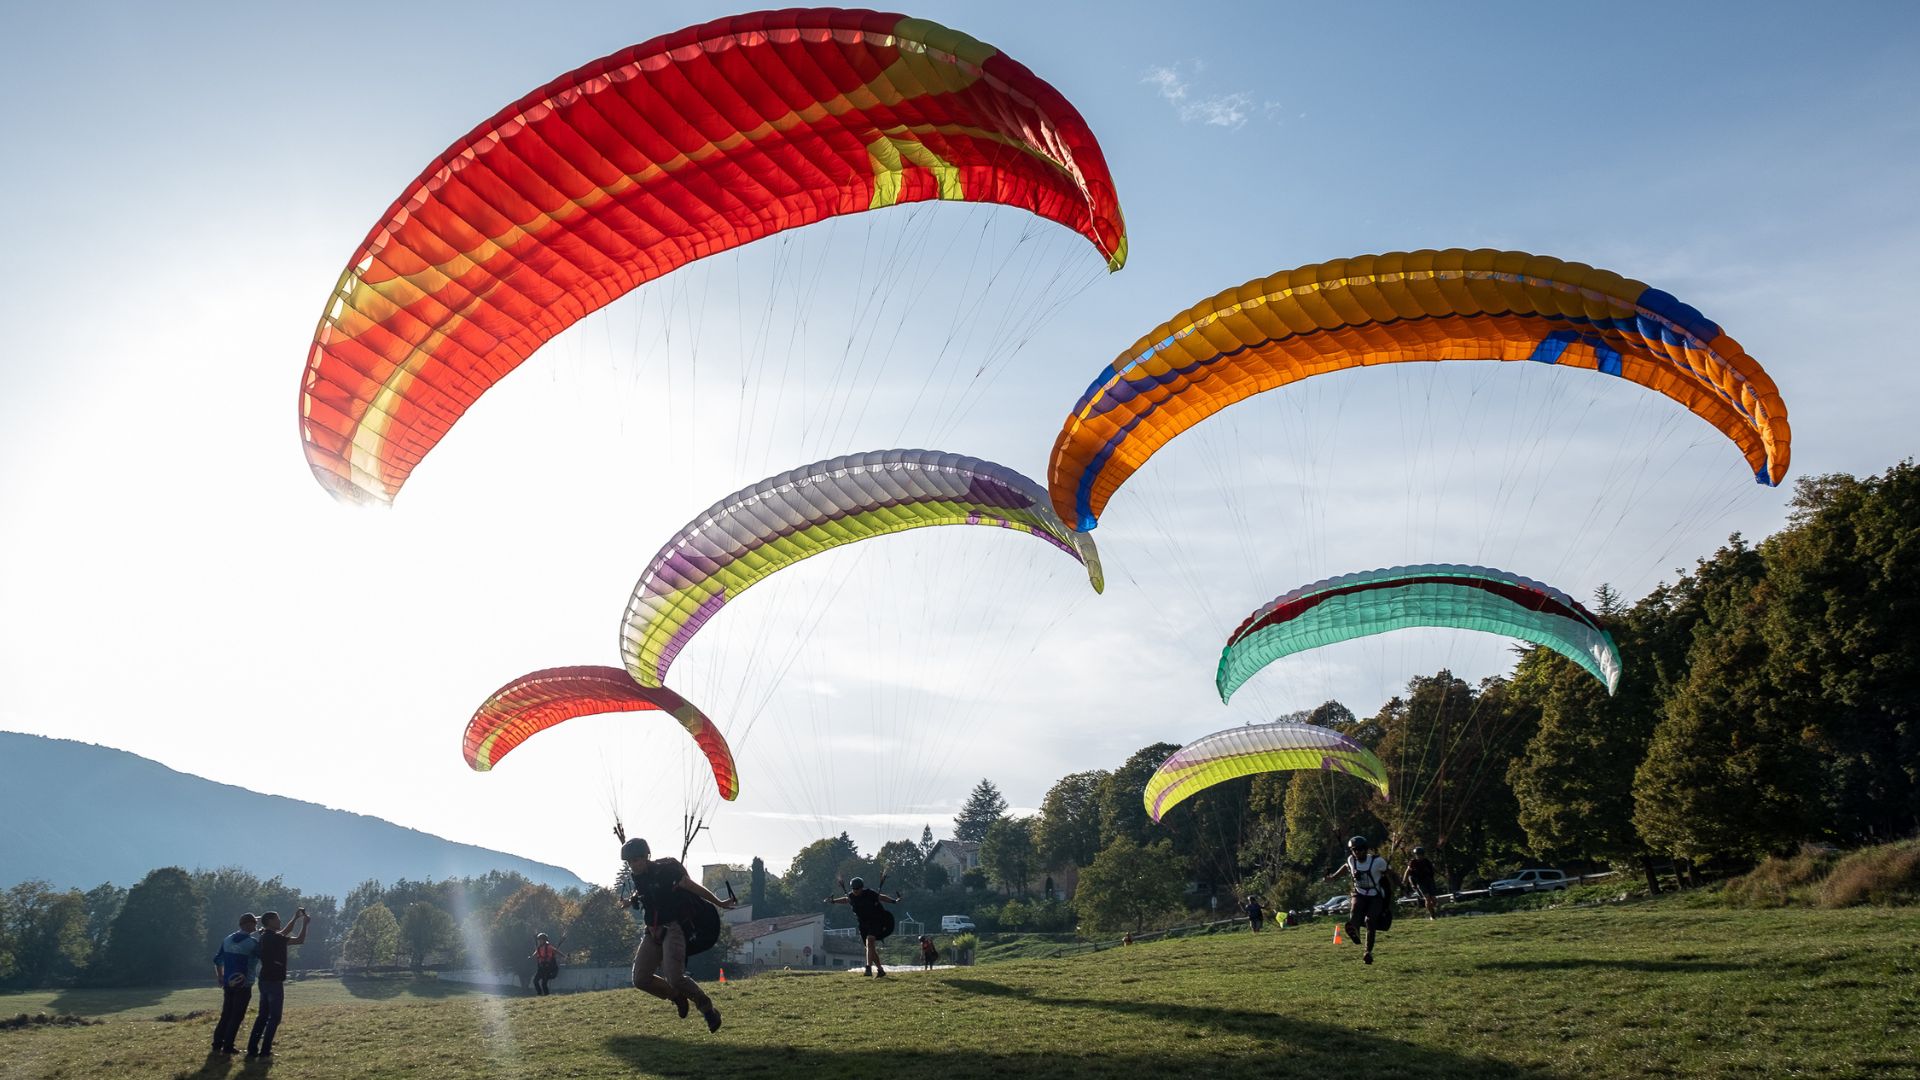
635 848
1358 843
856 883
1417 850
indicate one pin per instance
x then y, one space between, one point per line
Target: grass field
1650 989
147 1003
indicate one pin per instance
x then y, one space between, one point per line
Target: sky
184 183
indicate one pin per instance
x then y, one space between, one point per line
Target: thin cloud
1228 111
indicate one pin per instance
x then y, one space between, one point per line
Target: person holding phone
272 953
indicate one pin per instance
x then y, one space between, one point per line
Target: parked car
1334 905
1529 881
955 924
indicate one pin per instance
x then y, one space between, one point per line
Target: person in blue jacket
233 968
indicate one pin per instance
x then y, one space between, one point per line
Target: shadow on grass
1586 963
1290 1048
219 1065
385 987
103 1001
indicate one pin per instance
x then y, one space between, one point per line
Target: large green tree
534 909
1121 811
605 931
820 870
1007 854
984 807
1127 885
1447 746
1068 832
427 932
1843 602
1573 784
902 862
1727 776
159 935
46 933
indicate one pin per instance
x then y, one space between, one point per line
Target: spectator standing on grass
1372 879
233 967
1254 915
273 977
928 952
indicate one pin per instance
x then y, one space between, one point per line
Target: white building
783 941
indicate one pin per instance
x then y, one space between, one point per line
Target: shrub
1876 875
1779 882
1884 874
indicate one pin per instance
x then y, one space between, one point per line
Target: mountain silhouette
75 815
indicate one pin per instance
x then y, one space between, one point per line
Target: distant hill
75 814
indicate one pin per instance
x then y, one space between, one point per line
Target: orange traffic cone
723 976
1336 936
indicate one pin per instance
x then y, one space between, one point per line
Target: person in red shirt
546 964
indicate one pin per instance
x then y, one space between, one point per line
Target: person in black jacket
274 943
1421 876
663 888
875 921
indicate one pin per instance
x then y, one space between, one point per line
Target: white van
955 924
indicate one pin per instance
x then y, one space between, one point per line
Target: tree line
1768 700
165 928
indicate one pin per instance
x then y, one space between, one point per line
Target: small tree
103 906
604 931
427 930
935 877
374 939
984 807
1127 884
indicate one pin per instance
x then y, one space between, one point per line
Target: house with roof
956 857
780 942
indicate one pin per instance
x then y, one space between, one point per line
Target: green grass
1649 989
147 1003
